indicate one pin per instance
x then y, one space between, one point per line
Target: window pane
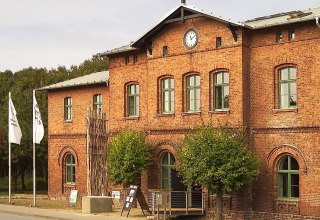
132 89
294 164
172 160
137 105
284 89
166 83
283 186
295 185
172 101
165 159
284 163
165 172
226 97
165 184
218 78
226 78
218 97
172 83
131 106
166 96
197 80
197 108
293 73
191 81
69 178
284 74
284 102
293 88
191 92
293 94
166 107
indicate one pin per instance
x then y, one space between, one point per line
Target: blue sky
49 33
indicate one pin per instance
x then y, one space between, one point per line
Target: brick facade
252 61
69 137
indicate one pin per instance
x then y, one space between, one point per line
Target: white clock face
190 39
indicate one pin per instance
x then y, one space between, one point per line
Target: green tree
21 84
218 159
128 157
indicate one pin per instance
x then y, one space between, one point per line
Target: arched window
68 108
133 100
193 93
167 95
97 102
167 164
288 178
288 87
221 91
70 169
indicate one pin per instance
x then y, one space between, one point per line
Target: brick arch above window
64 152
216 70
286 149
161 147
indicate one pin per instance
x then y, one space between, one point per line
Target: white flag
14 128
38 129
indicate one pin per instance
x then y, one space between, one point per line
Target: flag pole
34 151
9 149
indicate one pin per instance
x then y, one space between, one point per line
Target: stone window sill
288 200
166 115
220 112
131 118
190 113
279 110
68 121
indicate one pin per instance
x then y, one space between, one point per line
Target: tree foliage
218 159
128 157
21 84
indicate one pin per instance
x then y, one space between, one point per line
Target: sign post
73 197
135 192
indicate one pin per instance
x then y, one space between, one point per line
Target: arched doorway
170 180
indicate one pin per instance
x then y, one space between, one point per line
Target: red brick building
194 68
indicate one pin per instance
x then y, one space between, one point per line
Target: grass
41 185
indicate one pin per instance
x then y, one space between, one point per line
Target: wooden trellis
97 139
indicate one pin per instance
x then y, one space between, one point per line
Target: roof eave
281 23
107 54
72 86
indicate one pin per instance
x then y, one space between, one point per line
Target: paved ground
60 214
10 216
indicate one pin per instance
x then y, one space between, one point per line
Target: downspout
317 22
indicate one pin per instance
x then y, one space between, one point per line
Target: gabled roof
283 18
173 16
181 13
184 12
91 79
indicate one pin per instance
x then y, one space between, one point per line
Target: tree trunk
219 197
23 185
15 182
